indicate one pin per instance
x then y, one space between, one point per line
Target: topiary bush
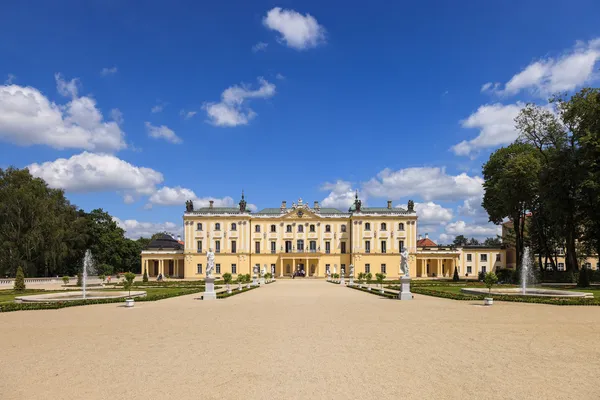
128 283
20 279
79 279
65 280
145 277
584 278
455 277
490 280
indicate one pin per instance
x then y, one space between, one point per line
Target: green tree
79 279
20 279
227 278
460 241
511 186
455 277
65 280
490 280
473 242
145 277
492 241
369 278
128 283
380 278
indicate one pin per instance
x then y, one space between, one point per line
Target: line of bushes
558 301
224 295
376 292
7 307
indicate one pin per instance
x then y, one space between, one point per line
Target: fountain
527 277
84 294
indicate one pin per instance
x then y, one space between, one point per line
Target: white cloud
187 114
108 71
431 183
128 199
297 31
231 110
543 77
432 214
279 76
135 229
67 89
162 132
177 196
158 108
91 172
341 195
27 118
496 124
10 79
260 46
472 208
479 231
117 116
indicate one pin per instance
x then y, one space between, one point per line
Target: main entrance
292 265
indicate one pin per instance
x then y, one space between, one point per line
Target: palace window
469 269
469 257
300 228
234 226
233 246
312 228
383 246
483 269
288 246
288 229
217 246
198 226
401 226
273 228
498 257
218 268
367 268
367 246
327 247
401 245
300 245
383 268
199 244
257 247
483 257
313 246
588 265
327 228
256 228
383 226
233 269
343 228
367 226
273 247
217 226
199 269
561 266
343 246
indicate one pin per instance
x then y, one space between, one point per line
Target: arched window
198 226
327 228
217 226
367 226
256 228
300 228
383 226
343 228
401 226
312 228
288 228
234 227
273 228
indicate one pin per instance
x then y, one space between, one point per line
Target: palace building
309 242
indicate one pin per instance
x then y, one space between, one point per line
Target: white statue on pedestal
264 270
335 268
404 262
255 270
351 269
273 270
210 263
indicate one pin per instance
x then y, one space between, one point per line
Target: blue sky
136 108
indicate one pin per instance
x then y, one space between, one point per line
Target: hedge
7 307
376 292
558 301
224 295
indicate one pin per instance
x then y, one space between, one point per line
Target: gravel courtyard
302 339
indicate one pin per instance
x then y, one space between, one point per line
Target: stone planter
488 301
129 302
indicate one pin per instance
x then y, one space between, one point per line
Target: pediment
301 212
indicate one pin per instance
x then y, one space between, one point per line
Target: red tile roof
425 243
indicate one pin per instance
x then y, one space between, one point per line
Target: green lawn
8 295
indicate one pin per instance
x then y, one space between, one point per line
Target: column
307 269
293 265
145 267
281 270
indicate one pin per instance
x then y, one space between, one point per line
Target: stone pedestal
351 283
405 293
262 280
342 280
254 280
209 289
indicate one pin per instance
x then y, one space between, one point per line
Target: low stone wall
10 282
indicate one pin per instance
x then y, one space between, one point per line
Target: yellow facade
310 240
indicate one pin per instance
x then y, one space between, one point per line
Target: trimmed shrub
455 277
490 280
128 283
481 276
79 279
20 279
145 277
65 280
584 278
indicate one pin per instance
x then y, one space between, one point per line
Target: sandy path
300 340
